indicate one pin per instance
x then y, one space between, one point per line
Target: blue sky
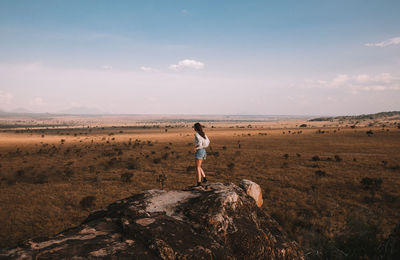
201 57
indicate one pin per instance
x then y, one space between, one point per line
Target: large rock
253 190
217 221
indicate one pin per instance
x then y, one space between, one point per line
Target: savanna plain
332 185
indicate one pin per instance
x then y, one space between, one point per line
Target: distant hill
359 117
21 110
82 111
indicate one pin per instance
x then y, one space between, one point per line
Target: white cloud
391 41
107 67
144 68
37 101
5 97
361 82
191 64
340 79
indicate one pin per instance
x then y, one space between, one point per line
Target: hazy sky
201 57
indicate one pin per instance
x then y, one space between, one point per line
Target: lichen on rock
216 221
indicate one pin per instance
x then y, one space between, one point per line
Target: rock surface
216 221
253 190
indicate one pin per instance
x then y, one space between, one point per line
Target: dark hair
199 129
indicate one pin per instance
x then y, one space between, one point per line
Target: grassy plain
311 176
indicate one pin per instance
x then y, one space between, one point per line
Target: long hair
199 129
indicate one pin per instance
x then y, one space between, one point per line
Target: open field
311 176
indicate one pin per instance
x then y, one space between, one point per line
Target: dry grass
43 179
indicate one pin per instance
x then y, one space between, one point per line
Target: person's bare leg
198 166
202 173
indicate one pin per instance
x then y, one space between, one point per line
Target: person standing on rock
201 143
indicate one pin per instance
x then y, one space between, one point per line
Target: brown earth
44 179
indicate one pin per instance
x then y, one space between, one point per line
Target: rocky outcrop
253 190
216 221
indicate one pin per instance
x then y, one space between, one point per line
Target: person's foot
204 179
198 184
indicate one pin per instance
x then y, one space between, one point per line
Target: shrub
286 156
41 178
285 165
371 184
320 173
20 173
223 147
68 172
338 158
156 160
231 166
315 158
127 177
132 165
369 132
303 125
161 180
394 167
87 202
91 168
165 156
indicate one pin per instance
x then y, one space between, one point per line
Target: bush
371 184
156 160
338 158
315 158
165 156
320 173
87 202
132 165
68 172
231 166
303 125
161 180
41 178
127 177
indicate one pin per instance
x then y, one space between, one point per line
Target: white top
200 141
